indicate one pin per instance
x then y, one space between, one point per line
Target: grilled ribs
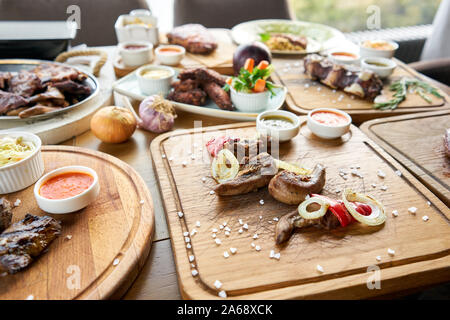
218 95
362 83
253 175
25 240
202 75
195 38
5 214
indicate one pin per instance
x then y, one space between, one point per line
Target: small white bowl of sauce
279 125
377 48
136 53
343 57
155 79
329 123
170 55
383 67
67 189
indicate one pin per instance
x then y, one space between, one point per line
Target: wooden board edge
197 293
115 280
411 166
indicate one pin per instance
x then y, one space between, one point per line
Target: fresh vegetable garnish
401 88
377 214
305 214
224 166
264 36
338 209
252 79
291 167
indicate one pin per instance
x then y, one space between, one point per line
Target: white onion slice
305 214
377 216
224 166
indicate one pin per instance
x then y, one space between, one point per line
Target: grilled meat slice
295 40
36 110
24 84
51 94
196 97
362 83
195 38
203 75
218 95
4 79
447 143
247 148
25 240
10 101
291 188
50 72
72 88
5 214
255 174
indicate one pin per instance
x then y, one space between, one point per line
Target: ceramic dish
282 134
136 53
249 102
72 204
321 36
126 30
343 56
383 67
19 175
170 58
328 131
151 86
128 86
365 52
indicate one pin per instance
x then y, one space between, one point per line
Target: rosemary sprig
401 88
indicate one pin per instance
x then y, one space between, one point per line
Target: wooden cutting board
306 94
421 248
115 226
416 141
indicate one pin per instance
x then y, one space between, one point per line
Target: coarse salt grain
272 254
222 294
30 297
381 174
245 226
193 232
391 252
218 242
214 230
398 172
373 185
197 224
211 192
233 250
192 265
240 230
277 256
69 236
425 218
257 248
275 219
163 156
384 188
191 258
194 272
213 235
260 217
261 202
17 203
252 244
217 284
412 210
227 233
142 202
226 254
188 246
224 224
185 233
187 239
171 159
241 222
221 227
395 213
184 163
428 203
320 268
255 236
116 262
203 179
378 258
227 229
180 214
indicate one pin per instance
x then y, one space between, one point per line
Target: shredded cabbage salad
14 149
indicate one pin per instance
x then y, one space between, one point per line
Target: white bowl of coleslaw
21 162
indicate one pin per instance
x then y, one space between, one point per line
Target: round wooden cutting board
101 248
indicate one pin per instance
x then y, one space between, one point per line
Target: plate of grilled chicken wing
200 91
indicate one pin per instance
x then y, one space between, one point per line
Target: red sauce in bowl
169 50
330 118
66 185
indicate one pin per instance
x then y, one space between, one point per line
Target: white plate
322 37
128 86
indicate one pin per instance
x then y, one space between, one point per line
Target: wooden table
158 279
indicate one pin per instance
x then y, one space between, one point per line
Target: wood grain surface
421 248
416 141
115 226
306 94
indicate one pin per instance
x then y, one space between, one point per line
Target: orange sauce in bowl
343 54
169 50
330 118
66 185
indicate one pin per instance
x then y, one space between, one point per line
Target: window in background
349 16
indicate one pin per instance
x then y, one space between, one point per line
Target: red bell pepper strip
338 208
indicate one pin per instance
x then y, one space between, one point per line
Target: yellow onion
376 217
305 214
224 166
113 124
291 167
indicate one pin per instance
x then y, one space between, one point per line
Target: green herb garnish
401 88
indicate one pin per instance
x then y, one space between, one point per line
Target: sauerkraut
14 150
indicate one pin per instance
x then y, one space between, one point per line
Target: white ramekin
19 175
170 58
281 134
365 52
382 72
78 202
250 102
154 86
136 57
136 32
328 132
